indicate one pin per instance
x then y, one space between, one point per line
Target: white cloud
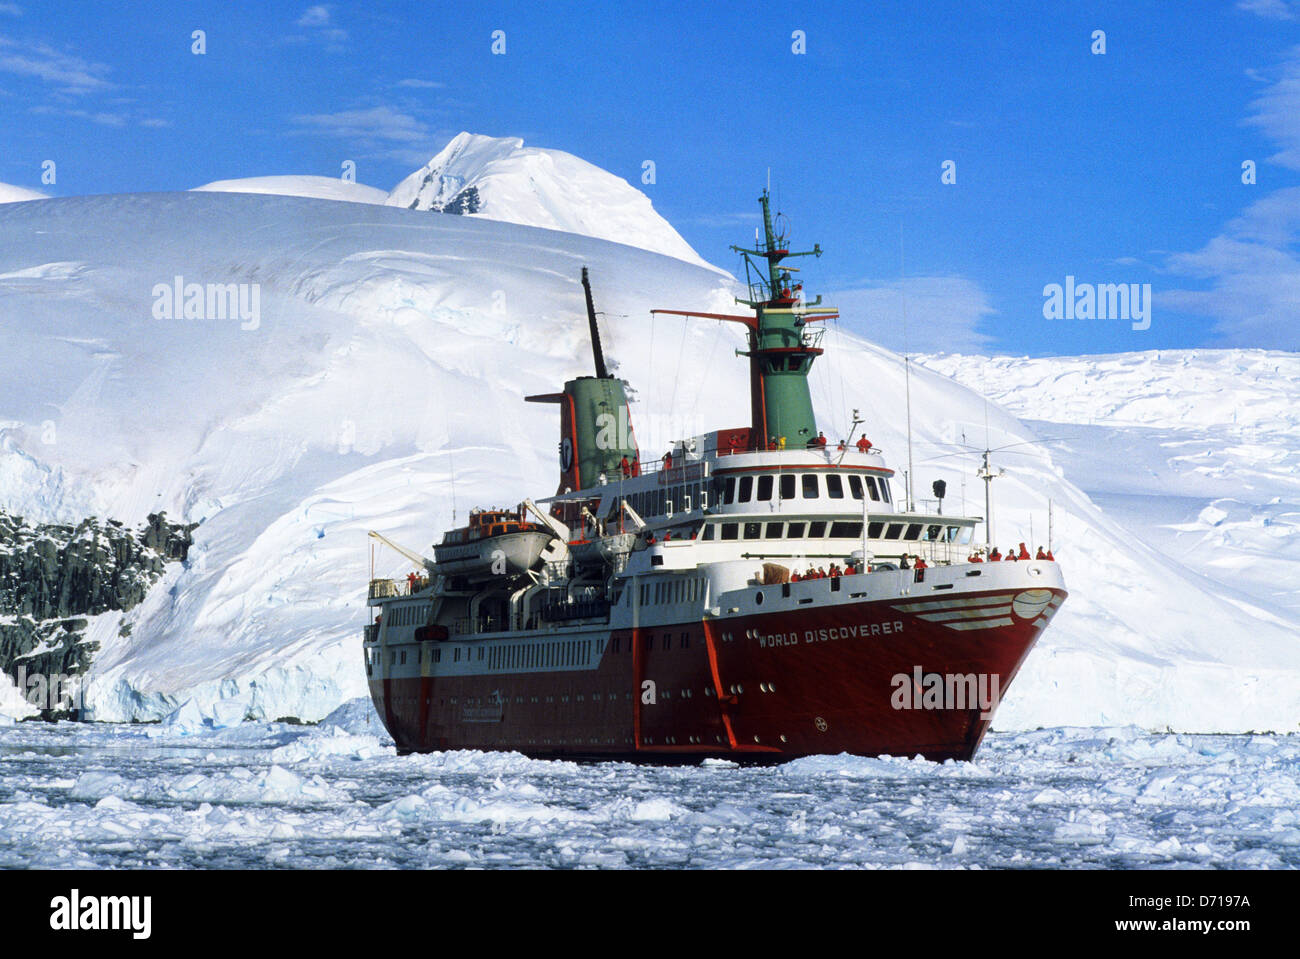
420 84
320 21
71 74
1253 267
1254 273
1269 9
393 133
944 314
1276 111
102 117
318 16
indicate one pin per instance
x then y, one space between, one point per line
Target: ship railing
384 588
830 453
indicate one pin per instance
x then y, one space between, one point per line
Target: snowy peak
442 184
498 178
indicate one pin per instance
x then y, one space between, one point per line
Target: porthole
758 598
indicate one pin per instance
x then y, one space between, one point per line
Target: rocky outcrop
54 576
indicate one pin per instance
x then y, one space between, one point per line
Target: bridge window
795 531
729 495
787 486
810 490
753 530
894 531
746 489
874 530
872 490
884 490
730 530
846 530
708 531
834 487
772 531
933 532
913 531
764 493
855 486
816 530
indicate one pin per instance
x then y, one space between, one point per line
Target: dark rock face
466 201
52 576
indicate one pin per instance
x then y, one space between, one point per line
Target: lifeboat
496 542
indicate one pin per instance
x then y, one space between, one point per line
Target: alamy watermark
76 912
179 300
50 692
1098 301
961 691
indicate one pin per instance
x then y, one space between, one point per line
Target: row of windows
576 652
680 589
408 614
839 529
760 489
670 499
514 656
920 532
818 529
686 497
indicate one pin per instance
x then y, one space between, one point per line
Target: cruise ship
755 593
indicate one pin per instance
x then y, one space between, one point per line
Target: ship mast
601 372
781 349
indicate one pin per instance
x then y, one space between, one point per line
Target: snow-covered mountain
498 178
317 187
380 386
1209 443
17 194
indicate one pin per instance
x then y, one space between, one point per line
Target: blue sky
1122 167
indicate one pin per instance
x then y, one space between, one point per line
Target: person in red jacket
995 556
864 444
1040 554
1024 553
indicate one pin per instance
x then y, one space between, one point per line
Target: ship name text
857 630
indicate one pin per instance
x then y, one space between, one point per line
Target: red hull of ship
767 687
